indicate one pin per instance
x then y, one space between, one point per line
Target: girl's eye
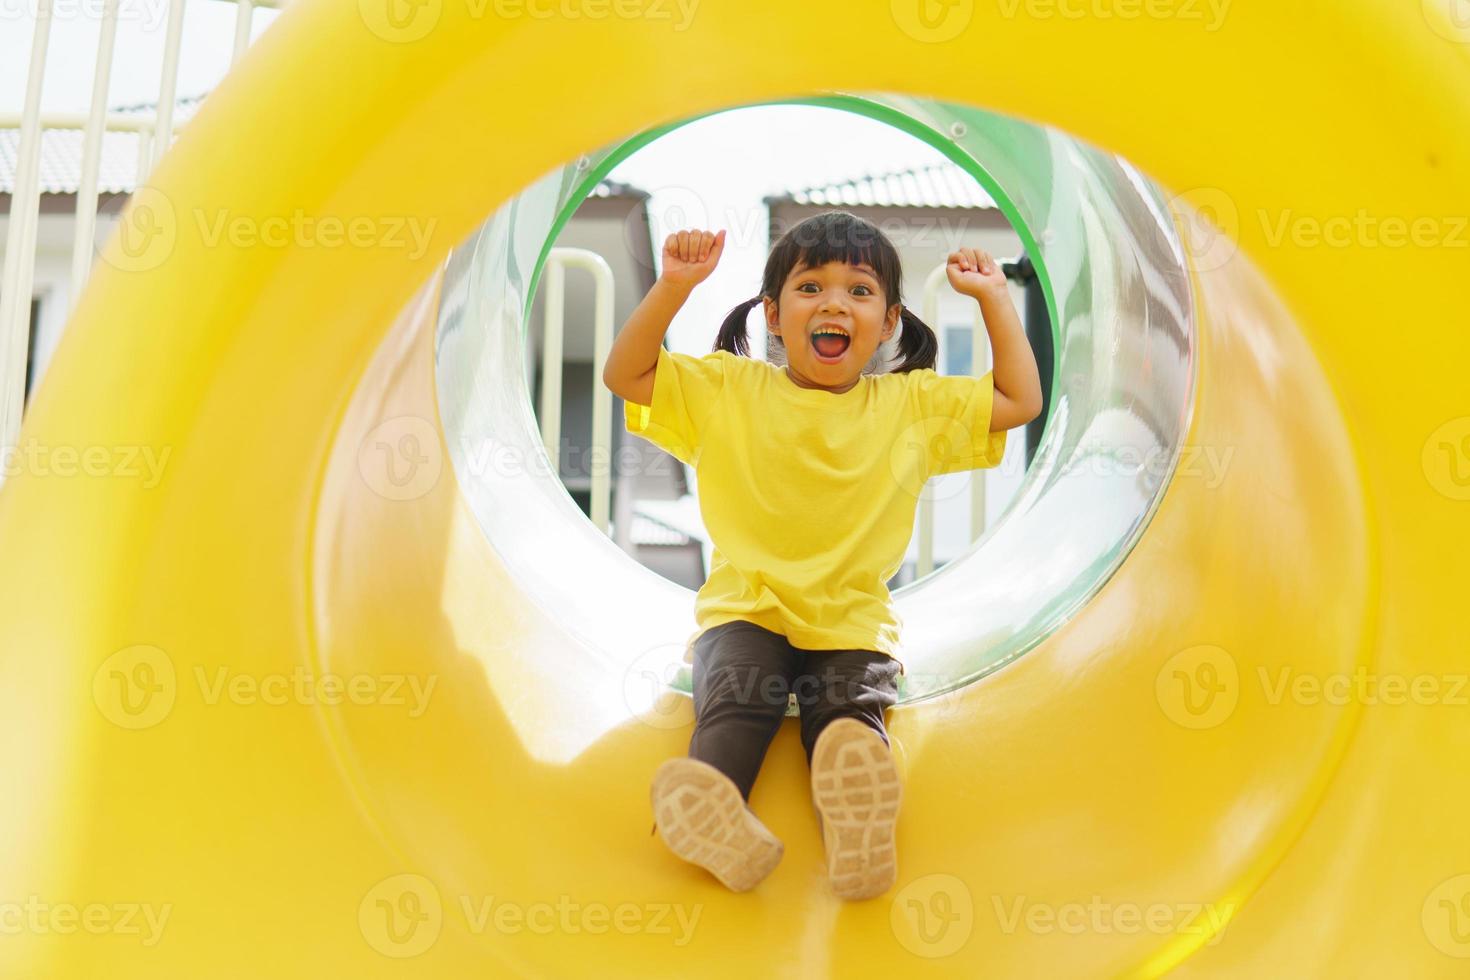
863 286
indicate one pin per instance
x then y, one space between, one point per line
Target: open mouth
830 343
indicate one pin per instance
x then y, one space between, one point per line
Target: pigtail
733 336
917 344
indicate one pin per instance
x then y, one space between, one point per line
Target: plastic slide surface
276 705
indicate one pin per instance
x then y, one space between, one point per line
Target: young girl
809 476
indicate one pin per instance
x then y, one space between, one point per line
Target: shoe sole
703 819
857 793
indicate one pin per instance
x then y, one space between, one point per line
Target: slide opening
1113 272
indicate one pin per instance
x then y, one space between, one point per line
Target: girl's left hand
975 272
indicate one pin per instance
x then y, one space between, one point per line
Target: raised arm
630 365
688 258
975 273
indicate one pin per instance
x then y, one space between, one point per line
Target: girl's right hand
690 256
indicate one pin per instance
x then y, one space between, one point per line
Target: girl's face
838 299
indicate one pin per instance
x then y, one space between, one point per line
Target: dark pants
743 674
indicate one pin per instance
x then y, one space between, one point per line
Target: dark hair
836 236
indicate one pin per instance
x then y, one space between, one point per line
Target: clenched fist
690 256
974 272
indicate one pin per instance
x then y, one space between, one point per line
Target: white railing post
169 82
145 155
979 354
553 327
244 10
979 351
557 262
601 462
86 217
20 240
924 563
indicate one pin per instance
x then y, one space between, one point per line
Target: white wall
52 281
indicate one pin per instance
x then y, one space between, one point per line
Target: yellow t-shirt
809 496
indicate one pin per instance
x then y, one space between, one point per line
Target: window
959 348
31 347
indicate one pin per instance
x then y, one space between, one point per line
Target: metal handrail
979 349
559 260
20 239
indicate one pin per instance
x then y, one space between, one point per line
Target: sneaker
703 819
856 791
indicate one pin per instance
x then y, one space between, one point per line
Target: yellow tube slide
275 706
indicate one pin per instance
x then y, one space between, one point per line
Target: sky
711 173
209 36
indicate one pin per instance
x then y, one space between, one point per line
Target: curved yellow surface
1153 787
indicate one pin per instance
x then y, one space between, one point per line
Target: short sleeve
685 392
954 412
